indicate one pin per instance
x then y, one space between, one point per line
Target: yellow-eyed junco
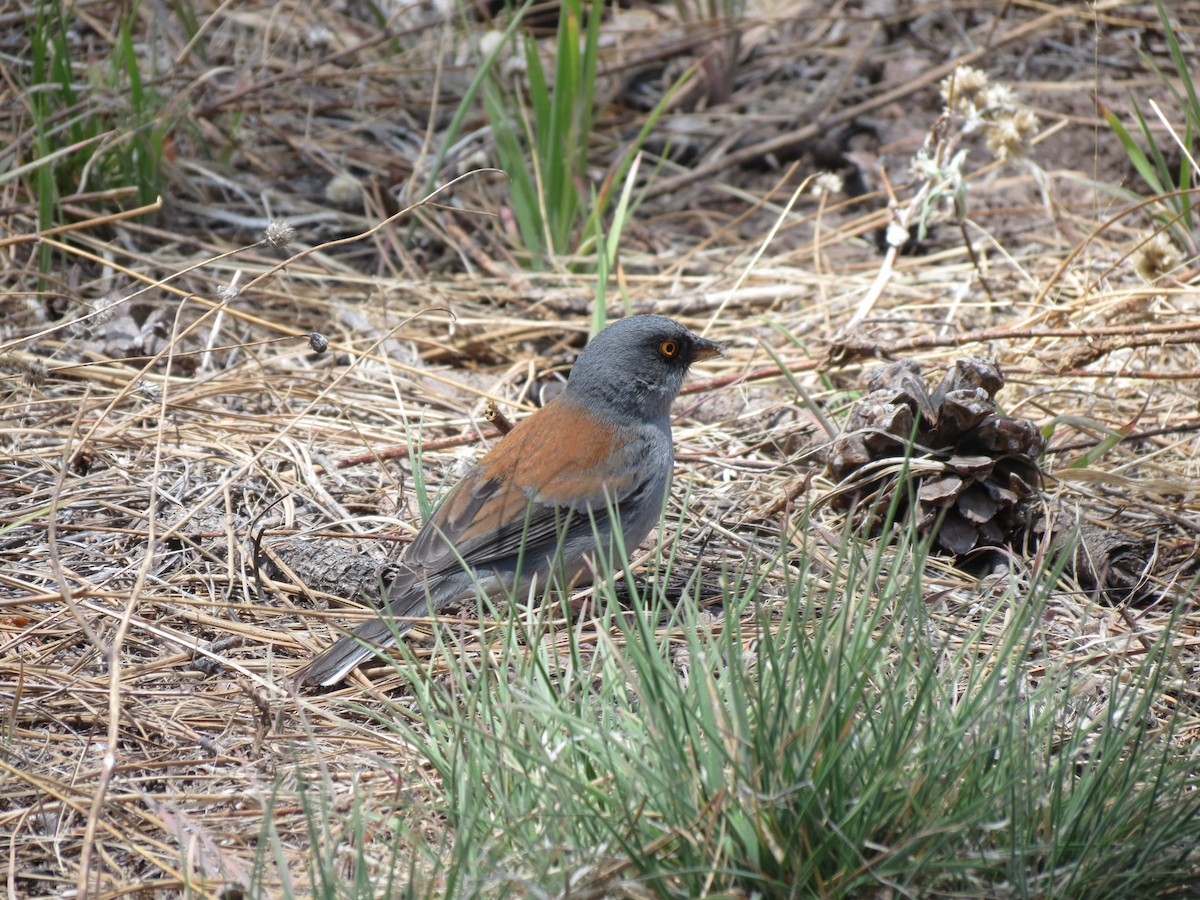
542 500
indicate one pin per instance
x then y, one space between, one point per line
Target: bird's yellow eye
668 348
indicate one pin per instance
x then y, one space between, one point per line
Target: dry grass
157 434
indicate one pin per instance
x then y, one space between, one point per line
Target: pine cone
970 473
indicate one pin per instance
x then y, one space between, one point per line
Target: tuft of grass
832 741
542 131
544 147
93 128
1172 185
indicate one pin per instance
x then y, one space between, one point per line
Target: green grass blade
526 198
468 99
1137 156
1182 69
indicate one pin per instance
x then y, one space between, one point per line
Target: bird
572 486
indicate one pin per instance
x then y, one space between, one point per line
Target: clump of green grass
545 151
542 123
1172 185
834 737
93 126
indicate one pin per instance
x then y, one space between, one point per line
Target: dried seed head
279 234
35 373
1156 257
96 314
32 372
104 308
994 107
827 183
998 97
960 89
343 189
1009 133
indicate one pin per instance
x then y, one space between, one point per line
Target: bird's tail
371 636
348 652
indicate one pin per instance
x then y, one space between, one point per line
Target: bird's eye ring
668 348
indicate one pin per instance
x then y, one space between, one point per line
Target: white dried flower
998 96
827 183
960 89
343 189
318 37
897 234
1156 257
1010 133
490 42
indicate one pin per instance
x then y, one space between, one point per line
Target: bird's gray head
634 368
